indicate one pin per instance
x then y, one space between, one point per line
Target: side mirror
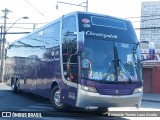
5 53
80 41
151 50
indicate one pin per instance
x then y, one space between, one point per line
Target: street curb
150 100
4 87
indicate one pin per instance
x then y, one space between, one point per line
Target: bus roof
66 15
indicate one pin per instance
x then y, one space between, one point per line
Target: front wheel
56 101
101 110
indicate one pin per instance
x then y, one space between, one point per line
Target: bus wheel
18 86
56 101
101 110
13 86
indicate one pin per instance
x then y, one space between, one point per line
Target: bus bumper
88 99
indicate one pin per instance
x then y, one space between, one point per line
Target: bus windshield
110 61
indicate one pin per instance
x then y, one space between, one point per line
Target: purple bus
82 59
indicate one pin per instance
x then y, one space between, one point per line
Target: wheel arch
54 83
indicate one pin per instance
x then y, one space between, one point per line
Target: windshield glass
129 62
110 61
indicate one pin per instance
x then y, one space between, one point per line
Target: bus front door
70 68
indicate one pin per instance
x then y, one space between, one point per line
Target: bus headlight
88 88
138 90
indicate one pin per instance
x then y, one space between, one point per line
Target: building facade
150 31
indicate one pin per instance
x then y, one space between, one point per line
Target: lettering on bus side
103 35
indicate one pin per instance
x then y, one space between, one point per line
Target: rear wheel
56 101
18 86
15 85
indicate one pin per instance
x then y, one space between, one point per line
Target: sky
41 12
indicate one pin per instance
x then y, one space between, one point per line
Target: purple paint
110 89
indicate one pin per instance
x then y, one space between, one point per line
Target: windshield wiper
121 66
108 70
125 71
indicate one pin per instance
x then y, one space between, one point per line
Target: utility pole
1 31
6 11
34 26
1 41
86 5
1 45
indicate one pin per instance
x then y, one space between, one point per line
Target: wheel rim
56 98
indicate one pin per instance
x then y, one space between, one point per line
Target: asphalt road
25 102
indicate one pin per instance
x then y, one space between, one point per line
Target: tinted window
69 24
47 37
107 22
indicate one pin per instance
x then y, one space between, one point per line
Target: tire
15 85
18 86
101 110
55 100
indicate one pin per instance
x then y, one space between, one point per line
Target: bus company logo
116 91
85 20
86 23
103 35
